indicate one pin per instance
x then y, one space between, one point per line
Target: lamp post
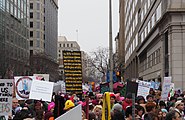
110 48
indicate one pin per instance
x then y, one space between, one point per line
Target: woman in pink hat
49 114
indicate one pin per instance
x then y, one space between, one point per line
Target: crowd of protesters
122 108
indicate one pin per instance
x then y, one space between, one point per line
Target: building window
38 15
31 24
63 45
31 33
38 25
31 52
58 55
58 50
71 45
31 43
59 45
31 5
67 45
38 43
38 6
31 15
158 12
38 34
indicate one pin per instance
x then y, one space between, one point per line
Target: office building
14 34
155 45
44 27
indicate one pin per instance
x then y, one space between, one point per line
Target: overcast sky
86 21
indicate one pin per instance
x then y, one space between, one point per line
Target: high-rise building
43 27
155 45
14 34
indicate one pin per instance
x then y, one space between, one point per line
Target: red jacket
125 105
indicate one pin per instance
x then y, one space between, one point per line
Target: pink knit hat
51 106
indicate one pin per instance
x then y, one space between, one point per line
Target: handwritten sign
6 96
166 88
41 90
143 88
23 86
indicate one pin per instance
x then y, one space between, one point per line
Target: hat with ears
51 106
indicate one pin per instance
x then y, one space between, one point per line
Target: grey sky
90 18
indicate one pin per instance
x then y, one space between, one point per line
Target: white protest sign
73 114
166 88
143 88
23 86
6 86
41 90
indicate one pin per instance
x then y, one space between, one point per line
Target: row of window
155 17
66 45
39 35
152 60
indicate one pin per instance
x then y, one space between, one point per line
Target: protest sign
131 87
23 86
104 87
143 88
41 90
73 114
6 96
166 88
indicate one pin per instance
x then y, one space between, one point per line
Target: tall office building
14 34
155 42
43 27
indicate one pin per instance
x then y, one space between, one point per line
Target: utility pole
110 48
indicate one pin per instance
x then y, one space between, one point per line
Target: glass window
31 14
38 15
31 33
31 5
153 20
31 24
38 34
38 6
31 43
38 25
71 45
38 43
7 6
158 12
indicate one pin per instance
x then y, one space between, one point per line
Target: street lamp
110 48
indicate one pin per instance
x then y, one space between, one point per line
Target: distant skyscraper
43 27
14 34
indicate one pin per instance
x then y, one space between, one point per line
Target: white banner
6 86
143 88
166 88
73 114
41 90
23 86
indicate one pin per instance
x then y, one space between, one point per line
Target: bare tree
99 60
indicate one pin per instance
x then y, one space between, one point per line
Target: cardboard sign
41 90
73 114
6 86
23 86
143 88
166 88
